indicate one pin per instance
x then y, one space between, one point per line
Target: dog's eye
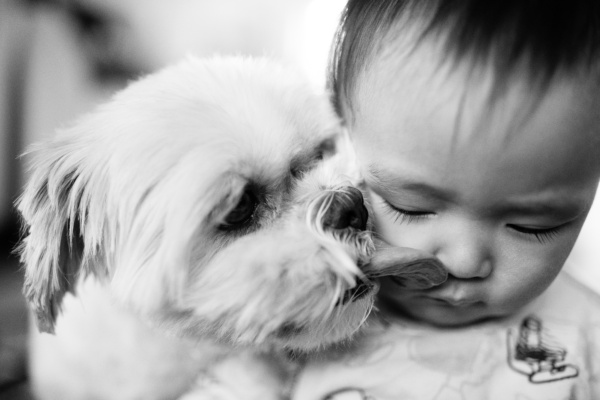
297 172
243 211
326 149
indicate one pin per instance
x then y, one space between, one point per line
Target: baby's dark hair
545 36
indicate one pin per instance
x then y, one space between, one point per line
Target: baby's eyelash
543 236
407 216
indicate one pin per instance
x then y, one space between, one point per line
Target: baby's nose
347 210
469 270
465 255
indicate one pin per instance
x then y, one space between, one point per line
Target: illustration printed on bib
533 352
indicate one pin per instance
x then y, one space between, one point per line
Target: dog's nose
347 210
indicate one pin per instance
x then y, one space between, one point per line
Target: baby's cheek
385 228
511 287
388 229
416 235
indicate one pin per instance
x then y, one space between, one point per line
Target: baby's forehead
411 90
404 54
412 48
412 71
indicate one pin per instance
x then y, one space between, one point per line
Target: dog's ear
54 216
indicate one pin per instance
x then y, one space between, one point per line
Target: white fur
125 210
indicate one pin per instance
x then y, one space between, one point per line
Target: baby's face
498 194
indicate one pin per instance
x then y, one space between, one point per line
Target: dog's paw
245 376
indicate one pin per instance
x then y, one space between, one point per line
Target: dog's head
210 198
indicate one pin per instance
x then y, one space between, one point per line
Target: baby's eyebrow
565 209
388 182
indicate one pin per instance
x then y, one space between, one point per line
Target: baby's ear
410 268
54 219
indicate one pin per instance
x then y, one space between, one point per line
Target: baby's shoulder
569 300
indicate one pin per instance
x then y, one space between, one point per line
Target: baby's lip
454 301
454 294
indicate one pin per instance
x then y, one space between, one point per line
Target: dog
205 220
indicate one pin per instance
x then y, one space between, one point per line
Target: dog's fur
196 221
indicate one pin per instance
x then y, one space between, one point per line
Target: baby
477 128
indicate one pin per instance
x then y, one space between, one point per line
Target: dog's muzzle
362 288
344 214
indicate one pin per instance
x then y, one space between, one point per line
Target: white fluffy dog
204 231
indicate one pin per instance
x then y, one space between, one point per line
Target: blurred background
60 58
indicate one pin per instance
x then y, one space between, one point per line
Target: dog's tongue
410 268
